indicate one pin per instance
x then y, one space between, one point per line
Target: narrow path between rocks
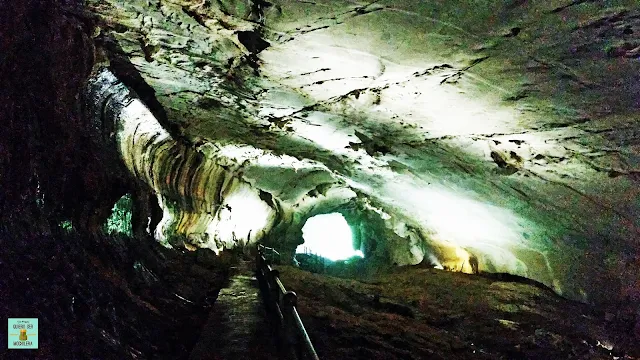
237 327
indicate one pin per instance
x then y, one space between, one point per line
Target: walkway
237 327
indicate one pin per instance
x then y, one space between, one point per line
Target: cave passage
458 179
329 236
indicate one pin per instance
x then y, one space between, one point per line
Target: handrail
293 336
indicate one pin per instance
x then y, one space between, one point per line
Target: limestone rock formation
497 134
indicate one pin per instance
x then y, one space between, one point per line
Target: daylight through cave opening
119 222
328 236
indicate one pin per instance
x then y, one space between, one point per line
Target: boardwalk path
237 327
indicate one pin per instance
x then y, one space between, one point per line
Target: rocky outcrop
48 54
391 316
107 297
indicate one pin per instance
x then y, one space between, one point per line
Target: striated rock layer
498 134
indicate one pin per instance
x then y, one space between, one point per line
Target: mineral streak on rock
195 187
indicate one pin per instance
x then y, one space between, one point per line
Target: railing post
275 295
258 256
272 275
293 340
260 274
289 301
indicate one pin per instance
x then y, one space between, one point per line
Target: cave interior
434 179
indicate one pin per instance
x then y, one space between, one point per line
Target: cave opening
119 222
328 236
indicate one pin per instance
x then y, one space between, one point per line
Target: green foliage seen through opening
120 220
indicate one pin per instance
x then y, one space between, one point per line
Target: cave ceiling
505 131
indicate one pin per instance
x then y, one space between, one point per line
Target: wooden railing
293 339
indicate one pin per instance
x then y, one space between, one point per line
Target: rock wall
48 54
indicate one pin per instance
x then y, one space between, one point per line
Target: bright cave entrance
328 236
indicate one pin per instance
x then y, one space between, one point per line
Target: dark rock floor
420 313
99 297
237 327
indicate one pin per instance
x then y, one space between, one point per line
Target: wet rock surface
419 313
106 297
238 327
